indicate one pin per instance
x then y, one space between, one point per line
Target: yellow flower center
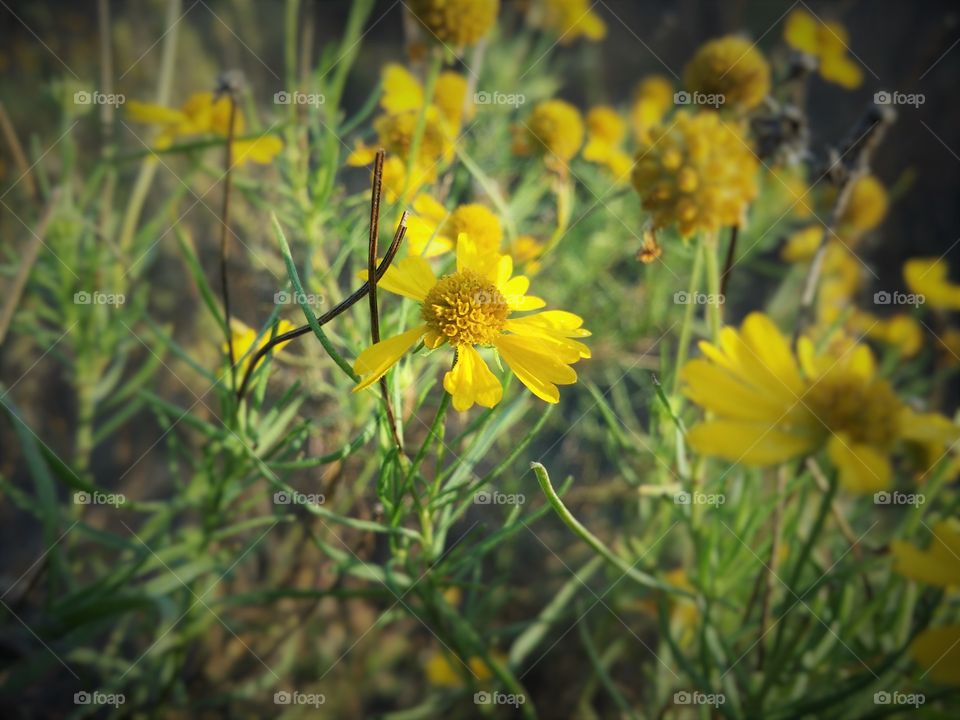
867 413
466 309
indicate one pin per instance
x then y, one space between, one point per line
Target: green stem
710 248
429 86
593 541
686 328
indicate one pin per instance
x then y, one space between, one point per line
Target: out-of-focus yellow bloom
770 405
441 669
827 42
472 308
553 130
840 279
791 192
569 19
651 101
803 244
605 133
928 277
866 207
949 343
900 331
245 342
526 250
202 115
431 230
684 613
732 68
456 22
936 648
698 173
402 102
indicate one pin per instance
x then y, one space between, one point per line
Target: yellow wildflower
651 101
949 343
456 22
827 42
553 130
770 405
245 344
570 20
472 308
803 244
431 230
866 207
605 133
936 648
442 670
900 331
698 173
402 103
928 277
526 250
732 68
202 115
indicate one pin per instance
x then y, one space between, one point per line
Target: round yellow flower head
396 135
456 22
479 223
554 128
866 207
604 123
450 96
698 173
730 67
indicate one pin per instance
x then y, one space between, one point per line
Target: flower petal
747 443
471 381
373 363
411 277
535 363
862 468
938 650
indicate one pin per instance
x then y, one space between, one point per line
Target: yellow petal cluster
456 22
731 67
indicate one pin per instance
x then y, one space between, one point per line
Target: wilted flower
828 43
472 308
769 405
456 22
698 172
730 67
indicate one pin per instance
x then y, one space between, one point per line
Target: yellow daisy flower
770 405
937 648
569 19
698 173
605 133
828 43
201 115
929 277
402 101
866 207
526 250
431 229
900 331
651 101
471 308
554 130
731 67
456 22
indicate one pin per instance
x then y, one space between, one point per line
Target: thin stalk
429 86
710 247
224 227
728 262
687 327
